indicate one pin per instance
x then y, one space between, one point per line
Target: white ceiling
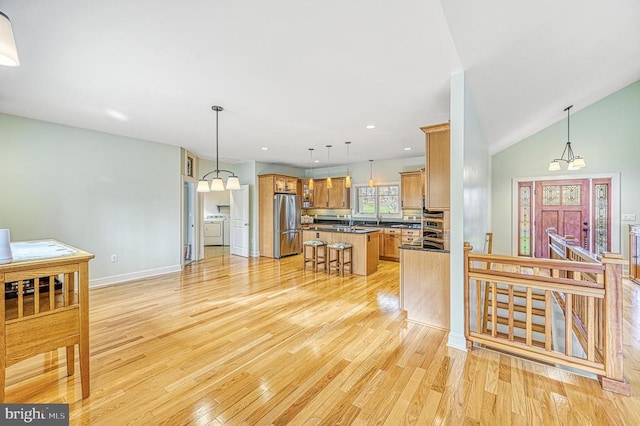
293 75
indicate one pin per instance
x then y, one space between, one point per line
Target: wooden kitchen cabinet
424 287
307 194
392 241
285 184
409 235
336 197
437 152
634 253
339 194
411 190
320 194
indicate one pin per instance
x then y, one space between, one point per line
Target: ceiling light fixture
347 181
311 160
329 184
233 183
408 148
371 174
265 148
575 162
370 126
8 51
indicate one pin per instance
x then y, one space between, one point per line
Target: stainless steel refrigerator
287 228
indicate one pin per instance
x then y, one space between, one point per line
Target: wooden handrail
590 290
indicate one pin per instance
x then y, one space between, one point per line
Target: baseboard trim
119 279
457 341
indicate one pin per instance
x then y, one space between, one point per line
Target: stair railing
593 289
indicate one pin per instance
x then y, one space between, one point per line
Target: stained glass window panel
571 195
524 237
551 195
601 217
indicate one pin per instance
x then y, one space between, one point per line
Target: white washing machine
216 230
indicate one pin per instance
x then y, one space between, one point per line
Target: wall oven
435 230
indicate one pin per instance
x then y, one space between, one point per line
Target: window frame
375 214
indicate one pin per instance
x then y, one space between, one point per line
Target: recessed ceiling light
316 161
408 148
370 126
264 148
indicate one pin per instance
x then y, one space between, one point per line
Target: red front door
563 205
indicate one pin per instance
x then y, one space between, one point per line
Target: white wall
606 134
103 193
470 188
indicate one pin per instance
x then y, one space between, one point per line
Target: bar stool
318 254
338 263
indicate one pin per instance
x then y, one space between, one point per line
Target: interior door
239 226
188 223
563 205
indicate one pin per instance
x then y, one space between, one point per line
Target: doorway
189 246
586 208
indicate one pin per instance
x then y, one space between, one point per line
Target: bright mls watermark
34 414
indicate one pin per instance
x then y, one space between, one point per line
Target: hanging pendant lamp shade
575 162
329 184
347 180
8 51
233 183
311 161
371 185
217 184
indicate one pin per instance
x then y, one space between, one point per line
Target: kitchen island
364 242
424 285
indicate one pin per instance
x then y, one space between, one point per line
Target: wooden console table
45 305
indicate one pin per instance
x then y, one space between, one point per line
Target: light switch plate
628 217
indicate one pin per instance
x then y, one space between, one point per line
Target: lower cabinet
424 287
392 240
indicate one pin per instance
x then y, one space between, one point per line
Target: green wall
103 193
606 134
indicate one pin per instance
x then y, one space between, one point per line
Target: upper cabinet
411 189
307 194
320 194
339 194
285 184
336 197
437 167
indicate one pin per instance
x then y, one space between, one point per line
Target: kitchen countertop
344 230
368 224
420 248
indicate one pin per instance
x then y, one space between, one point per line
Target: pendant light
311 161
347 181
233 183
574 162
329 184
8 51
371 174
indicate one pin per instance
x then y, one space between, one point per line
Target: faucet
377 218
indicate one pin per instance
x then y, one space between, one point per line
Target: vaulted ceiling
293 75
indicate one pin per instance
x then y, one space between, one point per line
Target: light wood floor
258 341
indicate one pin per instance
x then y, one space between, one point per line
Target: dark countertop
367 223
340 230
420 248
